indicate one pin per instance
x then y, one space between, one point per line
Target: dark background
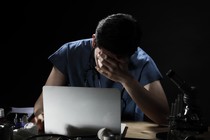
175 34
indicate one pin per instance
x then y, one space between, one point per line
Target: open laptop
81 111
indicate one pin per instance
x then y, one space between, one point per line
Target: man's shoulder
141 54
85 41
76 44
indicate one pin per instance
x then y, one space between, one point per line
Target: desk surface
148 130
143 130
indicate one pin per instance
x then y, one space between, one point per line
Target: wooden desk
148 130
143 130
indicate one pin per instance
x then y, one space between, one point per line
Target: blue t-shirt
76 61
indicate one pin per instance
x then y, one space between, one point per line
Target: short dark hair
118 33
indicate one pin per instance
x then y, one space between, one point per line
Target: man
114 58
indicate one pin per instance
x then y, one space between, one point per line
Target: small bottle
24 120
2 116
17 122
6 130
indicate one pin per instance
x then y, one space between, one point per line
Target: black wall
175 34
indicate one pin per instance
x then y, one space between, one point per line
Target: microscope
185 120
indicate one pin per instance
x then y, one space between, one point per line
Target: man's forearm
38 107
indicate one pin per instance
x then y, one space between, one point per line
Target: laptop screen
81 111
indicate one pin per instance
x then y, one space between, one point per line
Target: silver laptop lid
81 111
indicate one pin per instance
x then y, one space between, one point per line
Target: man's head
118 33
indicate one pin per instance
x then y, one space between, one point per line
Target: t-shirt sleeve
59 58
150 72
